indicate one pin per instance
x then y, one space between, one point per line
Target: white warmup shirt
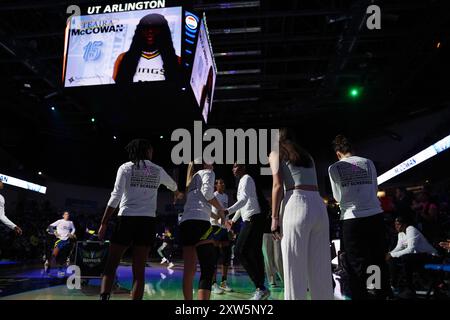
150 67
412 241
63 228
223 199
136 189
354 184
3 218
201 190
247 200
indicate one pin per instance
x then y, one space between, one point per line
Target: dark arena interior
360 87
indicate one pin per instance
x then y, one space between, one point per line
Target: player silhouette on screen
151 56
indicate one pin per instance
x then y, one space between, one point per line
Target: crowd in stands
427 209
34 217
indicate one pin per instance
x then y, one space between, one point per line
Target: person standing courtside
222 240
135 192
3 218
196 231
354 184
249 242
305 241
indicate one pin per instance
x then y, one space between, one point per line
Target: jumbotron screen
123 47
204 71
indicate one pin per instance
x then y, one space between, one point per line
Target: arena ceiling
280 63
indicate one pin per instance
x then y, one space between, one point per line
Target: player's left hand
18 231
275 228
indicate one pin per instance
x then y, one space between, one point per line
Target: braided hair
163 43
138 151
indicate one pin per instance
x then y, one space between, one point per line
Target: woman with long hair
196 230
151 56
305 242
135 193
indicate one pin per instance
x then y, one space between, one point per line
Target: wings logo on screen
123 47
92 258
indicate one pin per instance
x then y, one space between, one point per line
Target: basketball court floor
22 282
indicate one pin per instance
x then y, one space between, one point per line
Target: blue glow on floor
161 283
8 263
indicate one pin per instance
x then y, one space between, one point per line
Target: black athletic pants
406 265
364 243
248 249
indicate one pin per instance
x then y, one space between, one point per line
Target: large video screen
204 71
123 47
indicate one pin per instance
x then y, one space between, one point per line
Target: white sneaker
171 265
224 286
370 286
164 260
261 294
216 290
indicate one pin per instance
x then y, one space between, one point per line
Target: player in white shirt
248 247
196 231
222 240
3 218
411 253
151 56
135 193
64 230
354 184
165 250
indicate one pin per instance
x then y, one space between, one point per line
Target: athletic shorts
220 234
134 231
194 231
62 244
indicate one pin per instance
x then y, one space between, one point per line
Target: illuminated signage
130 6
22 184
420 157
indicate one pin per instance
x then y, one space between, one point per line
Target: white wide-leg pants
305 247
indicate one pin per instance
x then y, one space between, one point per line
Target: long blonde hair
191 170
